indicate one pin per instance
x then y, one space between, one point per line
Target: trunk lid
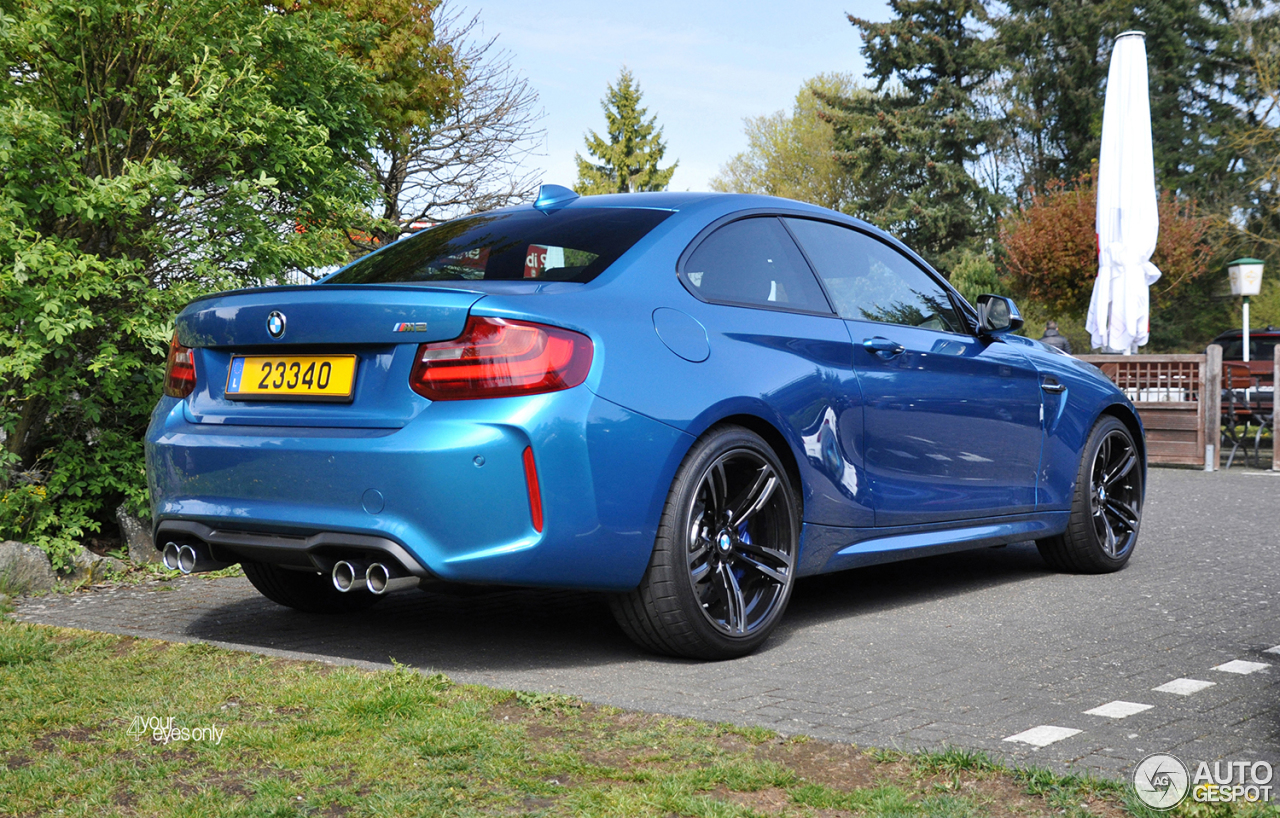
326 314
380 325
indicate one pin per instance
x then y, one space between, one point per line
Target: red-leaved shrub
1051 249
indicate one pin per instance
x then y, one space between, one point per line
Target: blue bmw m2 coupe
684 400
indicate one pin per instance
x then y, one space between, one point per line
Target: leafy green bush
150 152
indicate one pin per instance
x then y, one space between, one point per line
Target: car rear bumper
449 489
319 552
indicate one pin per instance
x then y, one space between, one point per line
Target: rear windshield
568 245
1260 349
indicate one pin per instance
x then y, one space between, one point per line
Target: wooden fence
1179 398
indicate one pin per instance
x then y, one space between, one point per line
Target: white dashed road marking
1044 735
1118 709
1242 667
1276 649
1183 687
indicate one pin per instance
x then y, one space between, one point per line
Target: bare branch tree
472 159
1254 213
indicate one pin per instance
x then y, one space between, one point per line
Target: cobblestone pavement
963 650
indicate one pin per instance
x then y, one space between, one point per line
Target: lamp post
1246 280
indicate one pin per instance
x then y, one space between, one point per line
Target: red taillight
496 357
535 491
180 370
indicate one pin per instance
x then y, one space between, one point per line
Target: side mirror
997 314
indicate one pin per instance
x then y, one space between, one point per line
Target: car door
776 337
952 421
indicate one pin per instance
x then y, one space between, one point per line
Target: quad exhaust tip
189 559
381 580
348 576
170 556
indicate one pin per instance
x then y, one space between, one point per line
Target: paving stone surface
960 650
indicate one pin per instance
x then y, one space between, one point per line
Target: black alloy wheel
1113 494
724 561
738 520
1106 509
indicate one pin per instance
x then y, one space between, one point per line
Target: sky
702 65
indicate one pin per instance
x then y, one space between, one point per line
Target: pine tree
910 147
630 155
1058 53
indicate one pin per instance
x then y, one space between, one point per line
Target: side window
870 281
754 261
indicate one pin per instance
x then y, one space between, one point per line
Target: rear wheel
723 563
1106 510
304 590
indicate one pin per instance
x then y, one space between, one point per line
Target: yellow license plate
291 377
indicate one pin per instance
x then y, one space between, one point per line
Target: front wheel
723 563
1106 509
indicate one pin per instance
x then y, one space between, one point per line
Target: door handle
883 347
1052 385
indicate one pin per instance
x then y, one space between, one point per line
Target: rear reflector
535 492
180 370
496 357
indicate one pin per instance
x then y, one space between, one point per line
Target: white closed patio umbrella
1127 222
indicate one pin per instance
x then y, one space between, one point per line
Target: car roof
677 201
658 200
725 204
718 207
1253 333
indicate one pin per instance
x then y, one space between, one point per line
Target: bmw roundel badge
275 324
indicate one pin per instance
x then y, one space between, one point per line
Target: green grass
304 739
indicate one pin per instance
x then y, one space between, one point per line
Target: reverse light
180 370
497 357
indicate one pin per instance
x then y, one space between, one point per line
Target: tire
724 560
1106 507
305 590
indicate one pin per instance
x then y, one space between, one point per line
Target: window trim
962 307
957 301
739 216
